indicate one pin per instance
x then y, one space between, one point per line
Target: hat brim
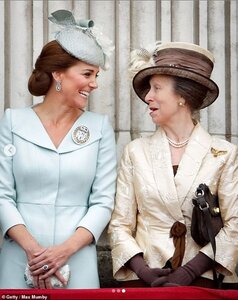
141 81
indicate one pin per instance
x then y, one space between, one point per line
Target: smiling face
77 83
162 100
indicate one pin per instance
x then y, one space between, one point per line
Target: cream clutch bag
56 284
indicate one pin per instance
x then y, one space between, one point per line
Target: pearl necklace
177 144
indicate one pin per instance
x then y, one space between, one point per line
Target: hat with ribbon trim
180 59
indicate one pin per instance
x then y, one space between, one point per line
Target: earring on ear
58 86
181 104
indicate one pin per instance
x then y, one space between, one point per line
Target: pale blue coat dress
53 191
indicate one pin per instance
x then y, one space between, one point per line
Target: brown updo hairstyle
193 92
52 58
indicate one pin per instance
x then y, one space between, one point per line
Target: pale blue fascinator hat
81 39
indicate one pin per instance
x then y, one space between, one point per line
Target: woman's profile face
77 83
162 99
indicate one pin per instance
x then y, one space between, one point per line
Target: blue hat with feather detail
81 39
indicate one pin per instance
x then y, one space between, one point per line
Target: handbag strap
204 207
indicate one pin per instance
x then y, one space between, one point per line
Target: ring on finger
45 267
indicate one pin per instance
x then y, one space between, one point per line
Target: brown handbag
206 221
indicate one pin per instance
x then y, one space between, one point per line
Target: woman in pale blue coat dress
57 168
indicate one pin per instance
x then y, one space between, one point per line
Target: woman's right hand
144 272
29 244
37 281
150 275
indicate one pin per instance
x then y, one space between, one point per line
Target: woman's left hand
48 263
164 281
185 275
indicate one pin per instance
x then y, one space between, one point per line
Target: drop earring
58 86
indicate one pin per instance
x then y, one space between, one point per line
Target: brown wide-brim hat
179 59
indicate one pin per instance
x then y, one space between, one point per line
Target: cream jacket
150 199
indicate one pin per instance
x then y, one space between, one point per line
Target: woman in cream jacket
158 176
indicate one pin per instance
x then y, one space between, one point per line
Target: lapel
199 145
163 173
173 190
27 125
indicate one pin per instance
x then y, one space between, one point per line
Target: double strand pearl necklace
177 144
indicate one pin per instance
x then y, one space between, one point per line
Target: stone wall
105 262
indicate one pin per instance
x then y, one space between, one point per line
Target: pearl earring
58 86
181 104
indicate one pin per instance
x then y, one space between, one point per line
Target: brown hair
193 92
52 58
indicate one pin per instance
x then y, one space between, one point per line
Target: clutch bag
56 284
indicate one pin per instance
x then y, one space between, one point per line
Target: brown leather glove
186 274
144 272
